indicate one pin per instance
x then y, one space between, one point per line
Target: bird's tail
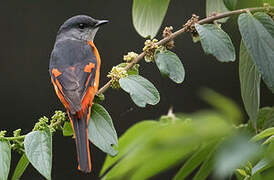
80 127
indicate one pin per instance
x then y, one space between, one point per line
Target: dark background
28 30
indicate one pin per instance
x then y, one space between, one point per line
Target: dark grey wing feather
70 58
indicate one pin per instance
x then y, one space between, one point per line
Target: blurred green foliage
208 142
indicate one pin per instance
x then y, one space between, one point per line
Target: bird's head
80 27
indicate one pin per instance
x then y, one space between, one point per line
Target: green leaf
265 118
21 167
266 21
259 44
270 2
194 161
257 177
206 167
230 4
260 166
38 149
129 140
101 131
169 64
234 153
132 71
250 80
141 91
148 16
98 98
266 133
216 42
269 140
67 129
241 172
166 145
225 105
5 158
216 6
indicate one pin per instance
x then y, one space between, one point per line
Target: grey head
79 27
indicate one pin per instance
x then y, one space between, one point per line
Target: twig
53 125
183 30
15 138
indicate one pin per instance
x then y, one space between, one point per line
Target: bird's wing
73 69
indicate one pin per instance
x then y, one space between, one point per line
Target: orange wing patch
59 94
89 67
88 80
92 90
56 72
59 86
87 101
98 59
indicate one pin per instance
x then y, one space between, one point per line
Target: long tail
81 139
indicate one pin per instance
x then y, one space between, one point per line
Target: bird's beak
101 22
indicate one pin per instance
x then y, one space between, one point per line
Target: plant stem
15 138
55 124
23 136
183 30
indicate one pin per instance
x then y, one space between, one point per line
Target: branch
56 121
183 30
15 138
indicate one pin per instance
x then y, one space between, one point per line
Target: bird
74 70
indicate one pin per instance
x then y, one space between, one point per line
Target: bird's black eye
82 25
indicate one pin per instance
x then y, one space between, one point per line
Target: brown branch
183 30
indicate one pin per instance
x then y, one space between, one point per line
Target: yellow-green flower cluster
149 49
18 144
130 56
267 7
246 171
17 132
190 24
42 124
166 33
2 133
55 123
56 120
115 75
